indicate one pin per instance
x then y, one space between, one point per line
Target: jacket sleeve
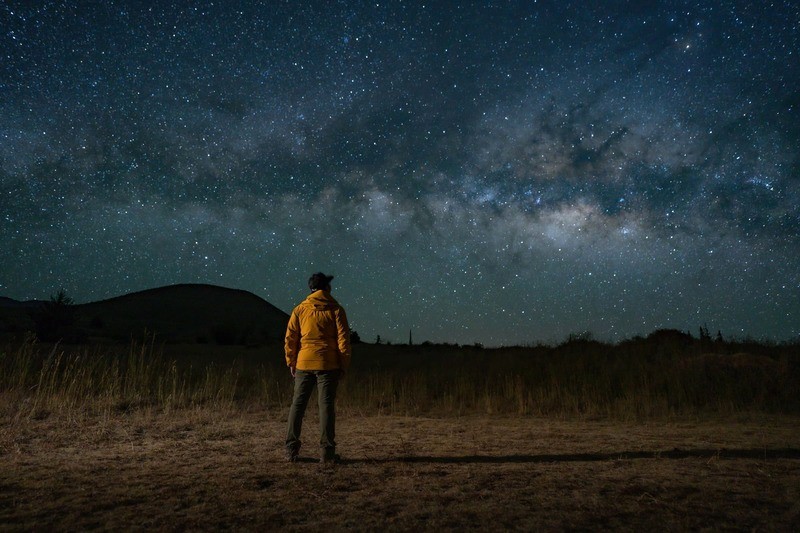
292 341
343 329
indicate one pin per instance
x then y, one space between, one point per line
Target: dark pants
304 381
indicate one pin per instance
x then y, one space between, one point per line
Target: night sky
494 172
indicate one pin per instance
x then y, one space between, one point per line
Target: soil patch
210 469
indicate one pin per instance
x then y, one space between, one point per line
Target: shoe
292 456
329 457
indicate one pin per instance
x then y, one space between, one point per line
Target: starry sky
493 172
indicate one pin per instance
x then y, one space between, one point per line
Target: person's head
319 282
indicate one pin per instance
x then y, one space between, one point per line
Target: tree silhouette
706 342
54 319
705 336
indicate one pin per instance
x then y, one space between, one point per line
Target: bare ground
222 469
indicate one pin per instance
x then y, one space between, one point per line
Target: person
318 353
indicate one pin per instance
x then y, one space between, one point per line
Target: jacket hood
320 300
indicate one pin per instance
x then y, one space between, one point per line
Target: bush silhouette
55 320
224 334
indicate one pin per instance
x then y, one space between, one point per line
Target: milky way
494 172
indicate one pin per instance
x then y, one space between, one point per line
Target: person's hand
293 370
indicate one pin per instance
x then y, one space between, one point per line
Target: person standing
318 352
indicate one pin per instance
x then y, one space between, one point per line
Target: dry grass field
651 434
204 469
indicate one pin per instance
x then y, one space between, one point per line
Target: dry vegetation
664 375
637 436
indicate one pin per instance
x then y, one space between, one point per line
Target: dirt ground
206 469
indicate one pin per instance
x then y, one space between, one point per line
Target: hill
11 303
186 313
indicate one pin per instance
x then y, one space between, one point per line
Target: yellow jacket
318 335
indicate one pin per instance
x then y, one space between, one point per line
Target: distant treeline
660 339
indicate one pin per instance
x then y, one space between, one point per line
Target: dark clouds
495 172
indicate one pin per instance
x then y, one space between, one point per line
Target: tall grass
37 380
580 378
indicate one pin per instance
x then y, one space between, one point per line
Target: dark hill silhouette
187 313
192 313
15 315
11 303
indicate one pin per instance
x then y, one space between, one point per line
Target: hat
319 281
